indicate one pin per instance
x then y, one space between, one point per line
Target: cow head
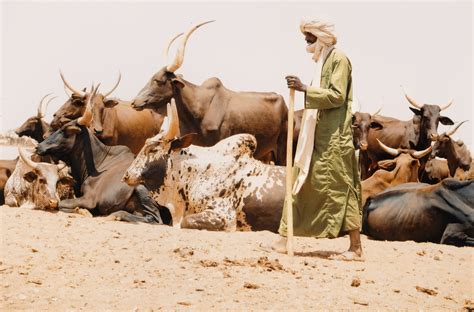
152 159
75 106
360 126
62 141
35 127
160 88
430 117
456 152
44 179
405 165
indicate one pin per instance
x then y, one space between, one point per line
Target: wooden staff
289 175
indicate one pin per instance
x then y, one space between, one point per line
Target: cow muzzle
433 136
363 146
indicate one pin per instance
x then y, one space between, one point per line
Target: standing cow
98 169
219 188
215 112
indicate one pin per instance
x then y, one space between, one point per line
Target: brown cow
6 169
402 169
416 133
215 112
35 127
435 171
114 121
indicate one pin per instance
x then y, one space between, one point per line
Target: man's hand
294 82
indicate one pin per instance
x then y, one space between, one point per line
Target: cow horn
353 110
40 106
45 107
26 158
389 150
115 87
69 86
377 112
420 154
441 108
451 132
178 60
173 122
61 166
170 42
412 101
86 118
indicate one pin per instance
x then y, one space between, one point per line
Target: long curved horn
69 86
389 150
40 106
173 126
441 108
377 112
451 132
413 102
420 154
170 42
86 118
45 107
178 60
26 158
115 87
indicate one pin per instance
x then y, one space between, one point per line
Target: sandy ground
57 261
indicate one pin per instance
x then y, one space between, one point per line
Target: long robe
328 203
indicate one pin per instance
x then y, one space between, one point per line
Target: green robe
328 203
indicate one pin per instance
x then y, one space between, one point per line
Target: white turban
324 31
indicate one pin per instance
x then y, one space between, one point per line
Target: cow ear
415 111
375 125
110 103
30 176
183 141
387 164
71 130
177 81
67 181
445 121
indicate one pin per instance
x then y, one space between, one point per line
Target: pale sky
426 47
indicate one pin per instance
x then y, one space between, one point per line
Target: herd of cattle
213 159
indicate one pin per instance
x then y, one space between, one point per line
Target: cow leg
149 206
122 215
69 205
206 220
458 234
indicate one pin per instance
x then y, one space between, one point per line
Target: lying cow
6 169
38 185
97 169
402 169
214 112
36 127
219 188
441 213
114 121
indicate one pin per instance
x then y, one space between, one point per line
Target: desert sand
69 262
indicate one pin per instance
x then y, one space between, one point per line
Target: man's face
310 38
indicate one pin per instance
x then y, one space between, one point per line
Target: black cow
98 169
35 127
441 213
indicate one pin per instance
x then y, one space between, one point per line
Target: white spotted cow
220 188
37 185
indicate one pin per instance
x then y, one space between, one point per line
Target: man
327 191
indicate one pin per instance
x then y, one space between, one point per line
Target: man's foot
277 246
348 256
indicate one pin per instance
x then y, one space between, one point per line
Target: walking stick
289 175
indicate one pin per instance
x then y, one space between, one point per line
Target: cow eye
159 82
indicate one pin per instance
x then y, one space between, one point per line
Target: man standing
327 189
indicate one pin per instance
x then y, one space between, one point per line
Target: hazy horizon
426 47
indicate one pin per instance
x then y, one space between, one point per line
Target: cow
435 171
360 130
35 127
114 121
97 170
441 213
416 133
456 152
218 188
402 169
38 185
6 169
215 112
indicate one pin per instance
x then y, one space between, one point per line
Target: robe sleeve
335 95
